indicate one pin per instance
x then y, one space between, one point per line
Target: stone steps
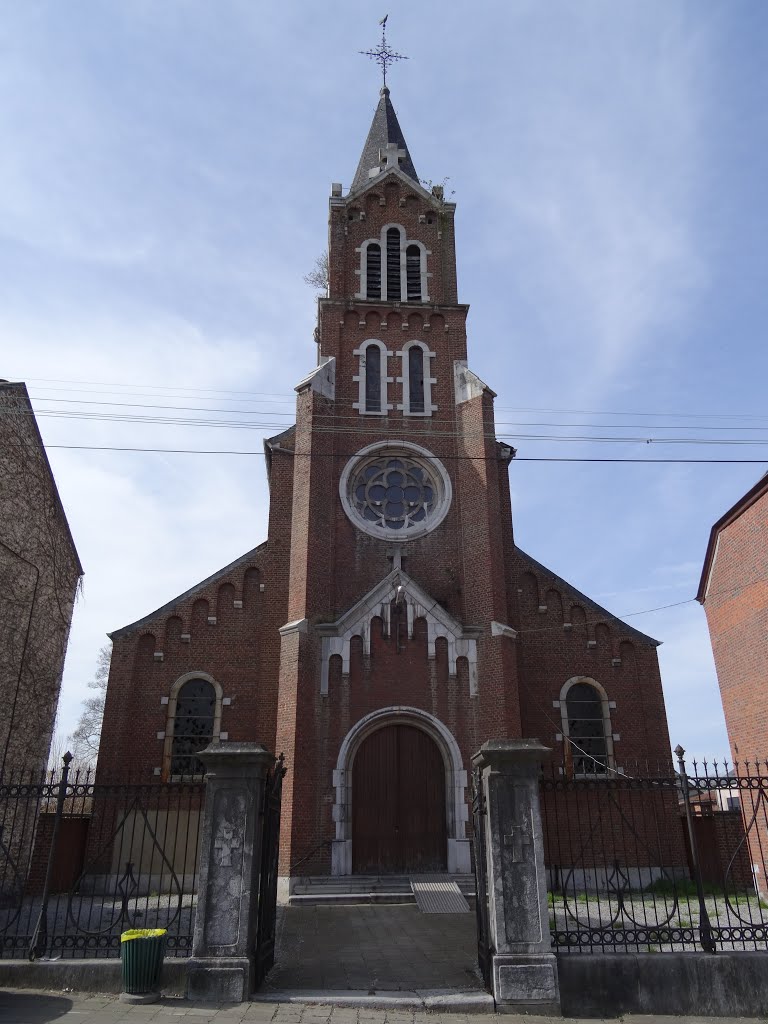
352 889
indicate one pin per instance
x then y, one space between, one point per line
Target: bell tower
401 533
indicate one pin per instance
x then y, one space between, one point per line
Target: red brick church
389 624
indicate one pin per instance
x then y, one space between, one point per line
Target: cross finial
383 55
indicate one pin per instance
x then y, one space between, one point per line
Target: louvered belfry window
192 726
393 265
413 272
373 379
416 379
586 730
373 271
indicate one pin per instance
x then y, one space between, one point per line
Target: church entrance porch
398 816
401 804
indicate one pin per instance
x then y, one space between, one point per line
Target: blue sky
164 178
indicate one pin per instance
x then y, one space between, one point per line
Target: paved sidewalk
373 948
45 1008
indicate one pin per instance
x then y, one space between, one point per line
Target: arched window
393 268
393 265
372 361
372 378
413 272
416 380
194 715
586 727
373 271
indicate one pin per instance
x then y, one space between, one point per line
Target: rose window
395 493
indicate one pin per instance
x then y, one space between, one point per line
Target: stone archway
456 811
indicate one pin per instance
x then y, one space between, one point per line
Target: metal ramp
438 896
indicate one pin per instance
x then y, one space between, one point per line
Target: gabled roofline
170 605
19 388
405 179
385 590
588 600
755 493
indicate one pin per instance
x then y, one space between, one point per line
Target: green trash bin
141 952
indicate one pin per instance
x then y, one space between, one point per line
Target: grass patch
687 887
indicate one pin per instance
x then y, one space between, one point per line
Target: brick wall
736 605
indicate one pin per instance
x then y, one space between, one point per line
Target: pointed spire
385 146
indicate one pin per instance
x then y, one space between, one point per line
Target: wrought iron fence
81 860
653 860
479 812
266 918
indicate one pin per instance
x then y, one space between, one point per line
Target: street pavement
43 1008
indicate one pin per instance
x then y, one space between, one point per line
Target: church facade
389 624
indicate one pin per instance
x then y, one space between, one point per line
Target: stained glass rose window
395 493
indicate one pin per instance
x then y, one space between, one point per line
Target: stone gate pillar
524 970
224 943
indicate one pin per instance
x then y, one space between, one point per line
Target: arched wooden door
398 803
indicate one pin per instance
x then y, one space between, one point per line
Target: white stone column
224 945
524 969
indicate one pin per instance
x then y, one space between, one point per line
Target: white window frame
424 275
363 270
405 379
359 377
381 241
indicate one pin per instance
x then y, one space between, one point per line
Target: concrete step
354 889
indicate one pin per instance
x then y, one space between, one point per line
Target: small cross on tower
391 156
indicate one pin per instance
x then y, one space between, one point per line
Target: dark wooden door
398 803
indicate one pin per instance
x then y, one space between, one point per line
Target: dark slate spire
384 147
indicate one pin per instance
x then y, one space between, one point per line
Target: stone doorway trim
456 810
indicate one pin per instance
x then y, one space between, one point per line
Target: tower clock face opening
395 491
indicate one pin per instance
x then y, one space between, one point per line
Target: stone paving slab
47 1007
373 948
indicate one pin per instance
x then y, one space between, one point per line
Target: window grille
413 272
193 726
373 271
586 730
393 265
373 379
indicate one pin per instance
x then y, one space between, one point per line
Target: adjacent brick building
389 624
39 574
734 593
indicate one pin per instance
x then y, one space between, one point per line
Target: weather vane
383 55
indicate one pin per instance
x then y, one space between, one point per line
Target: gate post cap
235 757
508 753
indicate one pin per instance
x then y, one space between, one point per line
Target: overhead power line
427 430
290 396
447 458
360 431
354 417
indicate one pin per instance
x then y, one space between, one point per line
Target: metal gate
479 812
270 850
